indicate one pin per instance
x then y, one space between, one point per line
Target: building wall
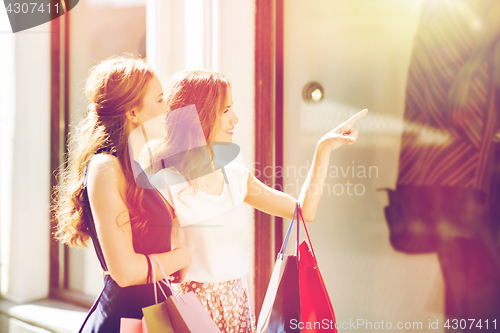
24 162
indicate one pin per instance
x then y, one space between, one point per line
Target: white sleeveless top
215 228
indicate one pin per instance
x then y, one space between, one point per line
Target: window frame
59 131
268 128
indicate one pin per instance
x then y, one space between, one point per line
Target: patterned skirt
226 302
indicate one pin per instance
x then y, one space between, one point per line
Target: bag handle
166 280
297 213
285 242
298 231
305 228
154 277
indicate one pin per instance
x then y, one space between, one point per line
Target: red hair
207 91
113 87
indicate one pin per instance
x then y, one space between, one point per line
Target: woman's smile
227 120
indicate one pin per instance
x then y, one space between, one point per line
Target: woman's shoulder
237 168
104 170
104 163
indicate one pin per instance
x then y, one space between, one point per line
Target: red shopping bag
315 304
296 299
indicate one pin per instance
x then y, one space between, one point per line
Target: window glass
98 29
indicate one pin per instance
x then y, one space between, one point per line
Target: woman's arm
269 200
281 204
111 218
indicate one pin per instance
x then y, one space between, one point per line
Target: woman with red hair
194 170
100 198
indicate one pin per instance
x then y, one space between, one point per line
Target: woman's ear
132 116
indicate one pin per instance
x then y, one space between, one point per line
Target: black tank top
115 302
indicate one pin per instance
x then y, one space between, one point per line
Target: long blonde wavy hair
113 87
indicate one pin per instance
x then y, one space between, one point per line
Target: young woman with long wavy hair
209 216
100 200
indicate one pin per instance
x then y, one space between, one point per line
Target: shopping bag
133 325
272 289
315 304
285 315
296 299
157 319
186 313
276 314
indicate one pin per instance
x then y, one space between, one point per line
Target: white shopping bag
272 289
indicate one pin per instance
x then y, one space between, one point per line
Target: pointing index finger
355 118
